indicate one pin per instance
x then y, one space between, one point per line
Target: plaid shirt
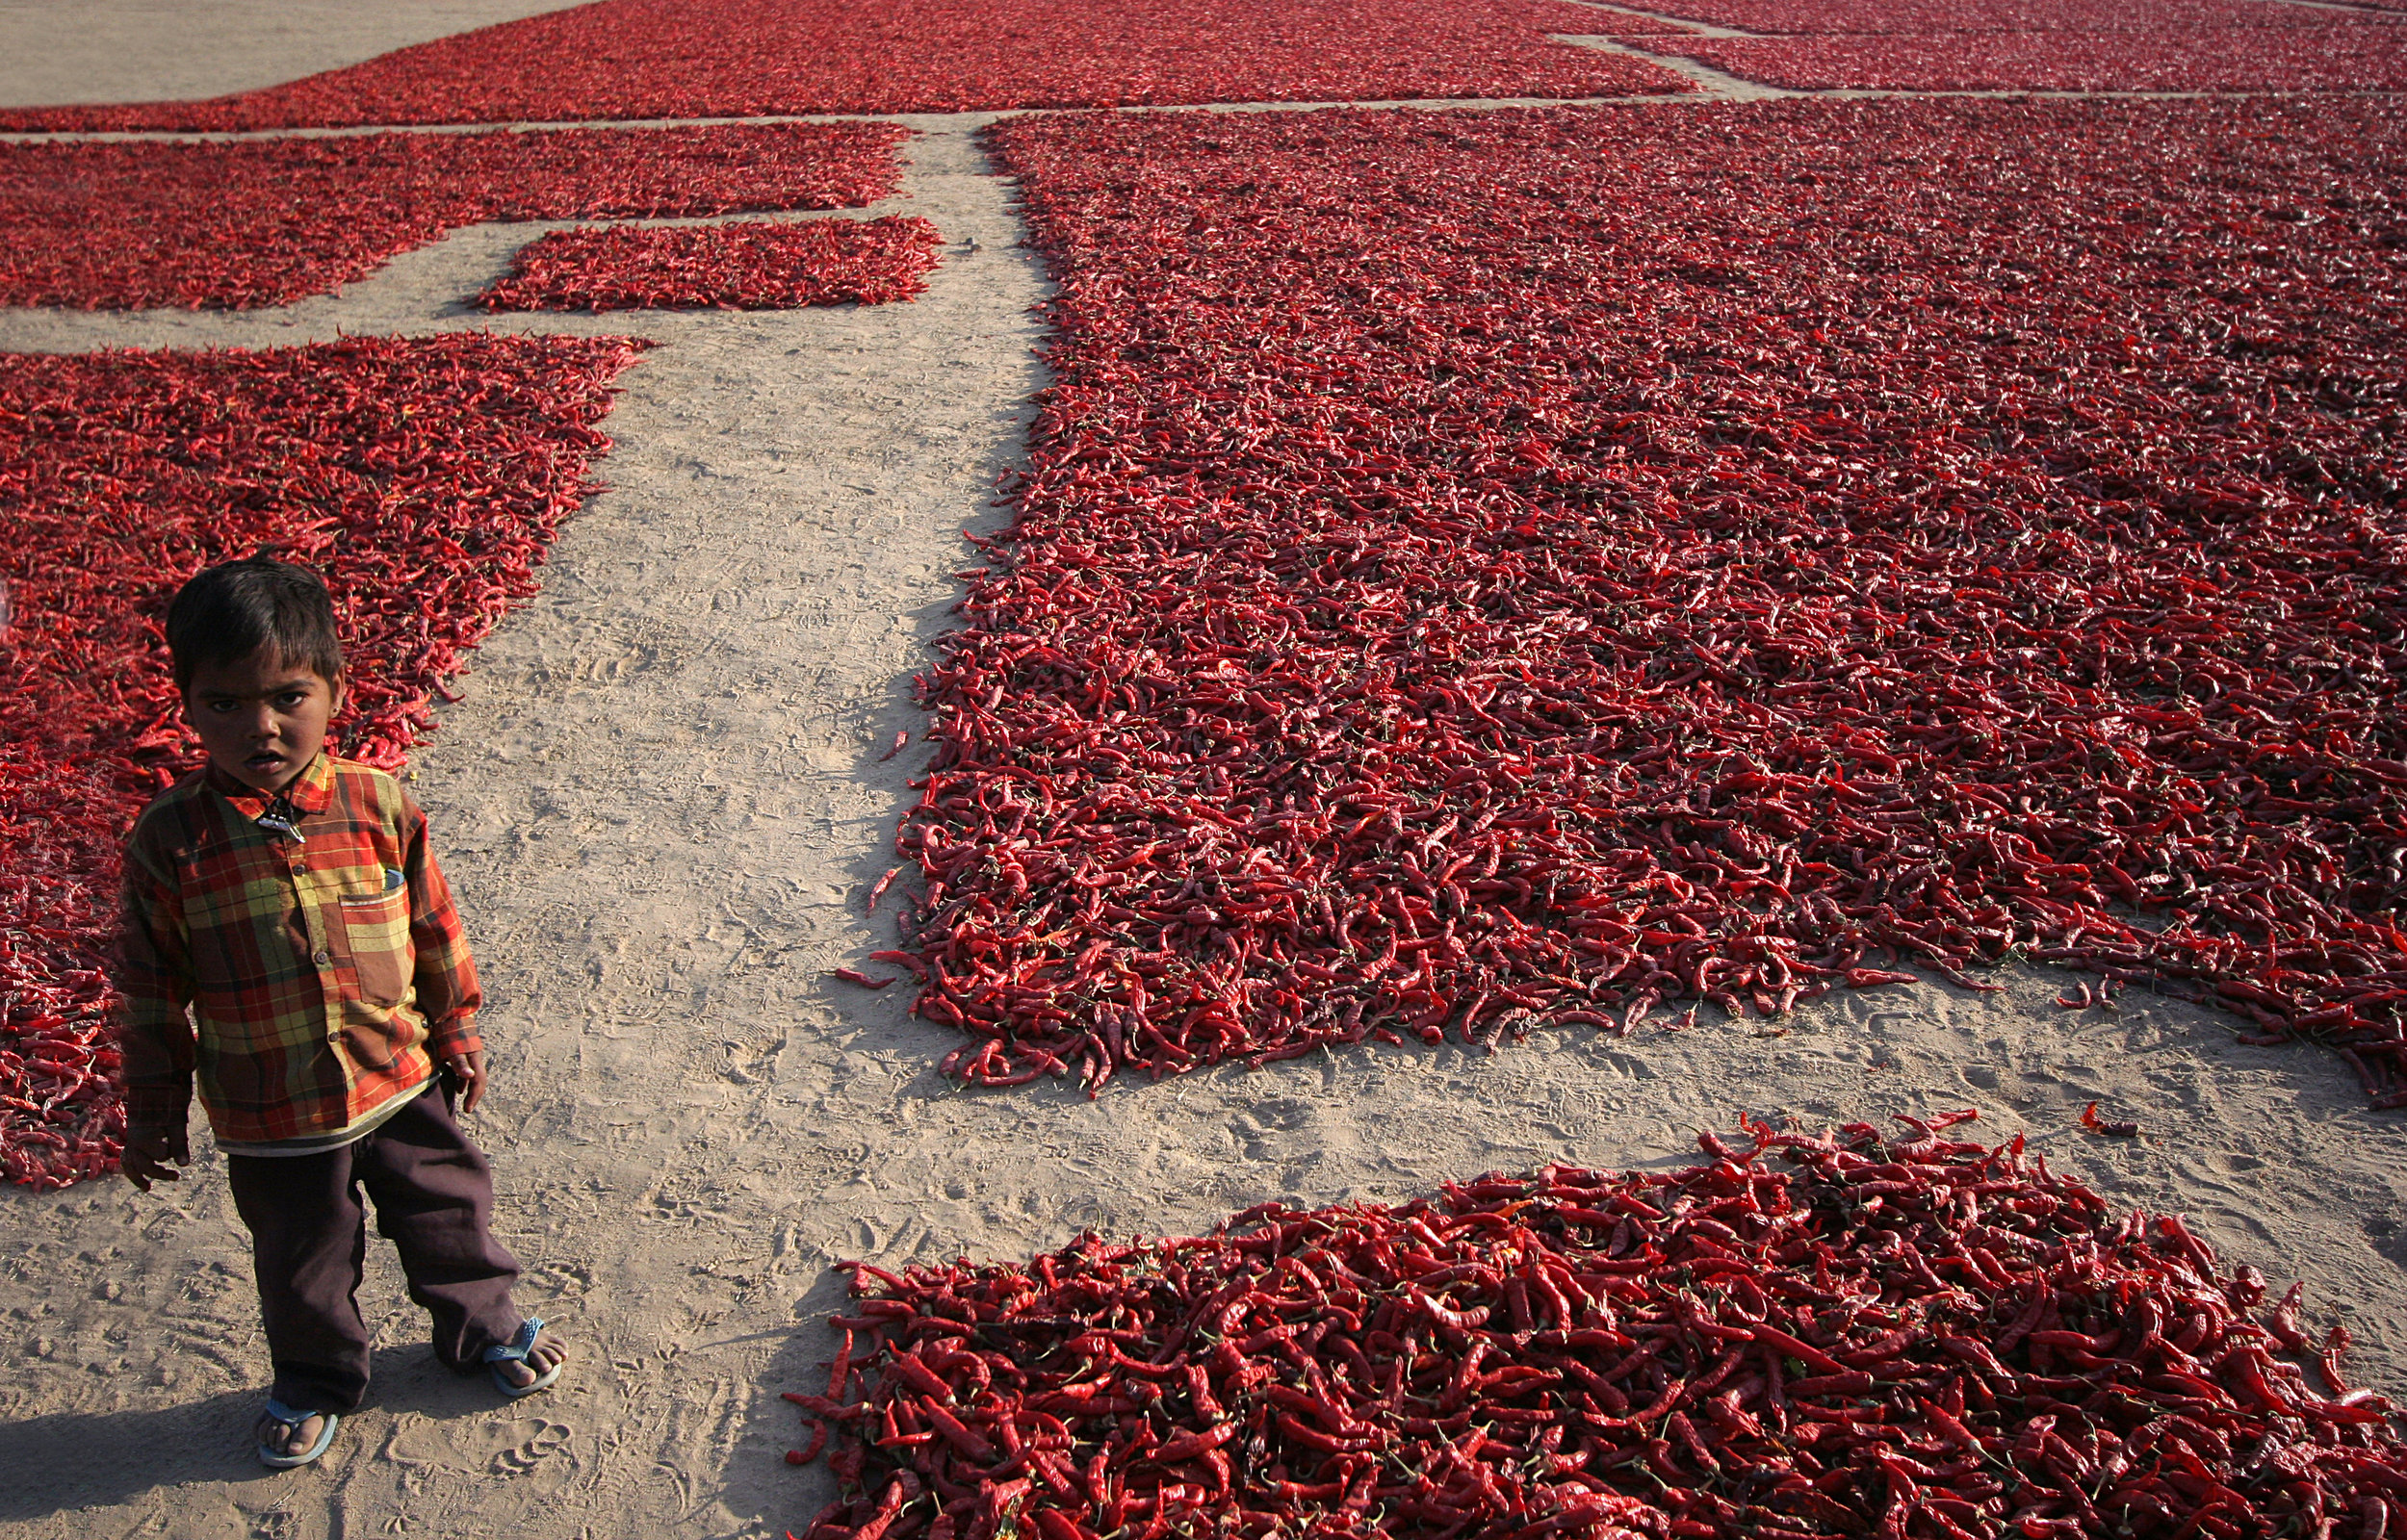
321 974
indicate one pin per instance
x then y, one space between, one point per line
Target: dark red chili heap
743 57
1485 570
2048 44
238 224
2333 51
1880 17
422 477
1905 1338
726 267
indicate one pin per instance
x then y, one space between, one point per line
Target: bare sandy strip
661 803
53 53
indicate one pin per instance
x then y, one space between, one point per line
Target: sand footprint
541 1441
568 1279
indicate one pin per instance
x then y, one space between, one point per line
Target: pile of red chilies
751 266
1814 17
243 223
1483 570
422 477
2329 52
623 58
1907 1338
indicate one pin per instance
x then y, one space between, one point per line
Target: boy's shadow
81 1459
67 1460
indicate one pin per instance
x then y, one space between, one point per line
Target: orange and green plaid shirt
321 974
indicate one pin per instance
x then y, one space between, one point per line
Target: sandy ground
661 802
54 52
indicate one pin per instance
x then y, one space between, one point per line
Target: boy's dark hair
233 610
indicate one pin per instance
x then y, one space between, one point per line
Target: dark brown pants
433 1192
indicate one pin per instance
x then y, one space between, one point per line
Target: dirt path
54 52
660 801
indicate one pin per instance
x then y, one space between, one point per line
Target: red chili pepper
2283 1320
2090 1121
422 477
2323 52
1586 667
724 267
1286 1370
636 59
237 224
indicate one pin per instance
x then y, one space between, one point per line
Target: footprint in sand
568 1280
2388 1236
537 1442
513 1447
271 1524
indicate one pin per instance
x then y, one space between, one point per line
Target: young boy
288 936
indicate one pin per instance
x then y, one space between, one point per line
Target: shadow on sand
86 1459
80 1459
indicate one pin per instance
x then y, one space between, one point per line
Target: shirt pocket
376 933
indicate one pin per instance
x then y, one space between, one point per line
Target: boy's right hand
147 1153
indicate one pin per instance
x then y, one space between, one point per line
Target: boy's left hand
467 1072
147 1152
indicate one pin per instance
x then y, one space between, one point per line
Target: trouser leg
308 1238
434 1192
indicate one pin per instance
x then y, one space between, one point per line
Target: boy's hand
147 1153
467 1072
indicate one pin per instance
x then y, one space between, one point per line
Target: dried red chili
1478 570
2331 51
1812 1336
731 267
744 58
2105 1128
422 477
1881 17
244 223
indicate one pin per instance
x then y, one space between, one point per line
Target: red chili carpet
423 478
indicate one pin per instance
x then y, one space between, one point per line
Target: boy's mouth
264 759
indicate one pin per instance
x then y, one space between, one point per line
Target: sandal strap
516 1349
285 1416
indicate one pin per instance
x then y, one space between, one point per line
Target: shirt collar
310 791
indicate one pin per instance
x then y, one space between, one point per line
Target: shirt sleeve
448 993
154 986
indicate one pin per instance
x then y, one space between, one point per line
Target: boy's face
262 719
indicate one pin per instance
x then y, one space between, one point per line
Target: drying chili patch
423 478
1842 1335
744 58
1484 570
233 225
2325 55
728 267
1883 16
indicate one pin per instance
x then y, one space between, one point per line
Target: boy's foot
547 1354
527 1362
289 1436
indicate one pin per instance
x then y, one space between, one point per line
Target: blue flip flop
284 1415
515 1351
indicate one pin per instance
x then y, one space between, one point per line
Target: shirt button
322 957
